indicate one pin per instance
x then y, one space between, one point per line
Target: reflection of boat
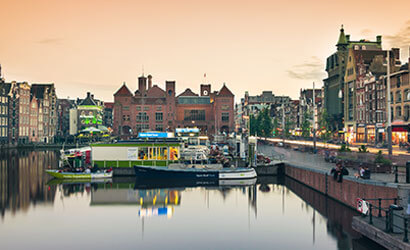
194 173
152 183
81 175
54 181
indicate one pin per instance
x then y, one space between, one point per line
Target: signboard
132 154
153 135
187 130
362 206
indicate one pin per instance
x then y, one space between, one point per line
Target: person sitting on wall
336 171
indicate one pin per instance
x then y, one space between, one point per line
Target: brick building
4 115
151 108
19 112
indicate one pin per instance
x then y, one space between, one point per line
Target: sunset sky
250 45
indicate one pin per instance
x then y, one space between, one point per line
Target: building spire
342 37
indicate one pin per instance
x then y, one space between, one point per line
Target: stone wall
347 191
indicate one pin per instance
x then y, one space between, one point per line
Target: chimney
92 97
149 81
348 38
379 39
142 84
88 94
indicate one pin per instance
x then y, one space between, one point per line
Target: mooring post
371 215
408 172
387 221
380 207
406 239
396 173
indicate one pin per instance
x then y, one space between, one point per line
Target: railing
389 216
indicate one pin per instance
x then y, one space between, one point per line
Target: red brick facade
151 108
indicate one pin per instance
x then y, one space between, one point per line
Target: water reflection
22 180
258 214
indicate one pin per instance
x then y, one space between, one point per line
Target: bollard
406 239
380 207
371 215
387 221
408 172
396 174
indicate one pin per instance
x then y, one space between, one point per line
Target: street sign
362 206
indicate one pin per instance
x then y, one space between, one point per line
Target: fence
391 219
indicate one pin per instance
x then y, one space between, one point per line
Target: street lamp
389 128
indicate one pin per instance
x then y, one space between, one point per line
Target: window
225 117
146 108
398 96
138 108
126 108
406 113
142 127
125 118
159 127
142 117
194 115
398 112
159 117
159 108
406 95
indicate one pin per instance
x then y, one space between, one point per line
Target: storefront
400 133
360 133
371 134
350 135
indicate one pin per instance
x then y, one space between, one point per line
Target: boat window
162 153
173 153
152 153
142 153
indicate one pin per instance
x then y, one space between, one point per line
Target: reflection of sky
205 219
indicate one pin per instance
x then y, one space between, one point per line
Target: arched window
406 113
398 96
406 95
398 112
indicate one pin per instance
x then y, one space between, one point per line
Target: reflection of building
151 108
22 179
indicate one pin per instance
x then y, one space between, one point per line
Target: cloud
50 41
366 32
312 69
402 38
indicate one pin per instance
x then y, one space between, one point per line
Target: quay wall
347 191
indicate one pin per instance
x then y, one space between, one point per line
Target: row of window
154 153
3 132
3 110
3 99
3 121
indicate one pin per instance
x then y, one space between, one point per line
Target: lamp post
389 129
314 119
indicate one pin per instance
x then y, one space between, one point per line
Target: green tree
288 125
266 123
324 125
305 127
275 126
253 124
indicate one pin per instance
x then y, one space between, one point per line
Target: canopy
91 130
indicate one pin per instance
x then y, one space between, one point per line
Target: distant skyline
250 45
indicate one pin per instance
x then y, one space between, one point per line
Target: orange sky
251 45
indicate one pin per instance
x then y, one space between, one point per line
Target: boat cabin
145 152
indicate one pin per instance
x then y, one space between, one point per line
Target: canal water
270 213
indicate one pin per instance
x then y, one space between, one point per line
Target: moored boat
79 175
194 173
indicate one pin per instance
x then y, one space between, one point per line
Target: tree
305 126
253 124
266 123
324 125
275 126
288 125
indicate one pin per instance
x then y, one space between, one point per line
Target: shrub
363 149
344 148
381 160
